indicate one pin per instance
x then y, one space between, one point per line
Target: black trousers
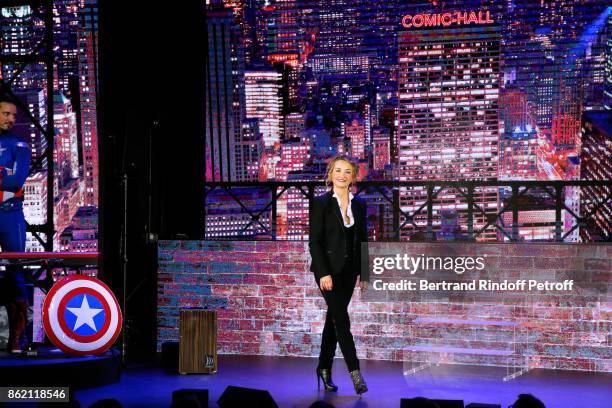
337 327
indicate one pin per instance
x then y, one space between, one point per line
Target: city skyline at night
362 79
75 150
291 83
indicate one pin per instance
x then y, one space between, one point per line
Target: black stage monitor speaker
424 403
480 405
234 397
186 394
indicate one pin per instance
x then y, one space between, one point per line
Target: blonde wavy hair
332 164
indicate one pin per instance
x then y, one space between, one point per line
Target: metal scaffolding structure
389 192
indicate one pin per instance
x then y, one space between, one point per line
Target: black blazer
327 241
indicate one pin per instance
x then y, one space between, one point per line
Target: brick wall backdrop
268 304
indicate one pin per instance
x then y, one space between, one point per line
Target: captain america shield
81 316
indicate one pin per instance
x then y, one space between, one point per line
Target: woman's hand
363 284
326 283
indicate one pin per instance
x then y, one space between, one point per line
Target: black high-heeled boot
358 382
325 375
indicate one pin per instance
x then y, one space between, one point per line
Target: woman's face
342 174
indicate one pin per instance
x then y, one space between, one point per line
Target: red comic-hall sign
81 315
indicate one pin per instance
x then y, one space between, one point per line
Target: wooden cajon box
198 341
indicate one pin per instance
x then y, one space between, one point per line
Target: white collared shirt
349 210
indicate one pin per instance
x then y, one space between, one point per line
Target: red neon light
289 59
447 19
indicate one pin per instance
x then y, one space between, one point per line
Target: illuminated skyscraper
381 140
66 153
248 151
67 27
18 37
35 194
68 192
590 67
297 205
536 221
595 165
518 155
514 110
337 64
219 141
66 205
565 128
339 26
448 108
17 30
88 67
264 101
293 155
284 33
540 77
608 67
294 125
355 130
35 206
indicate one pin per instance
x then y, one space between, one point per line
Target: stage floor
292 383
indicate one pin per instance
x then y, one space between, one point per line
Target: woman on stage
338 226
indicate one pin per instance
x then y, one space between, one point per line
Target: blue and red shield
81 315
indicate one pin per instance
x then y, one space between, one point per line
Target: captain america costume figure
15 155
